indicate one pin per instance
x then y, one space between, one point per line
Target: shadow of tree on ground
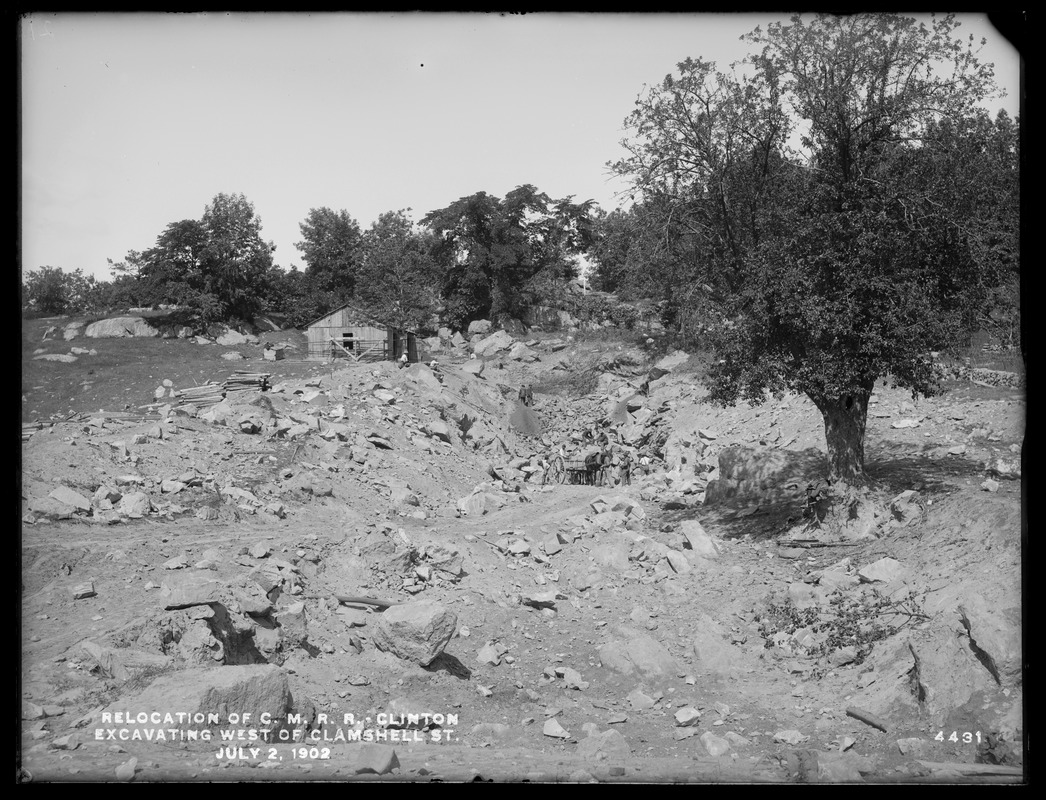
890 469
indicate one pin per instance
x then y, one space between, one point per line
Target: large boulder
479 503
473 367
520 352
542 317
231 338
116 327
762 474
514 326
481 326
220 691
996 635
497 341
416 632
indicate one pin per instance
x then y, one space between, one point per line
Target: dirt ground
763 649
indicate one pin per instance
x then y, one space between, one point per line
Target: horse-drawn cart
578 469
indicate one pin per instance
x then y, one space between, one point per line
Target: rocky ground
366 561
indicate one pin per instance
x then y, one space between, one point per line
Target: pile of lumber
244 381
210 393
29 428
205 395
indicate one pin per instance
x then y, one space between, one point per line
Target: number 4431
965 737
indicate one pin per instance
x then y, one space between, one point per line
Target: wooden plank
866 717
347 352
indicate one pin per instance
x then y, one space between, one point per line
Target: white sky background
134 121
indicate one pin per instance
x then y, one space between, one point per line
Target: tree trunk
845 419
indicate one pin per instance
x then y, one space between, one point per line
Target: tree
236 263
646 253
330 246
398 274
499 257
842 248
50 291
172 271
45 291
292 293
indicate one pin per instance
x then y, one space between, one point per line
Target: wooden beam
348 353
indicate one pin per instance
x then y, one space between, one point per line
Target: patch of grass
123 373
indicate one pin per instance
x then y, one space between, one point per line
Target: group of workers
526 394
611 465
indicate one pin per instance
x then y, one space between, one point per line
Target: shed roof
363 314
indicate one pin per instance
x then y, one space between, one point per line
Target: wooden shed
353 333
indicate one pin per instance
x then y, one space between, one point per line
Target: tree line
480 257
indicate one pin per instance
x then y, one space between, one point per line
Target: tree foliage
398 274
49 291
236 262
218 265
499 256
827 210
331 247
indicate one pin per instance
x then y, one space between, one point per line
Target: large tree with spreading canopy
826 182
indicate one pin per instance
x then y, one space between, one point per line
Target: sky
132 121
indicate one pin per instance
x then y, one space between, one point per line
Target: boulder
438 430
761 474
134 505
500 340
184 590
479 503
885 570
231 338
481 326
995 633
700 542
123 663
372 758
116 327
473 367
416 631
63 494
252 689
906 507
514 326
520 352
633 651
608 744
715 745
